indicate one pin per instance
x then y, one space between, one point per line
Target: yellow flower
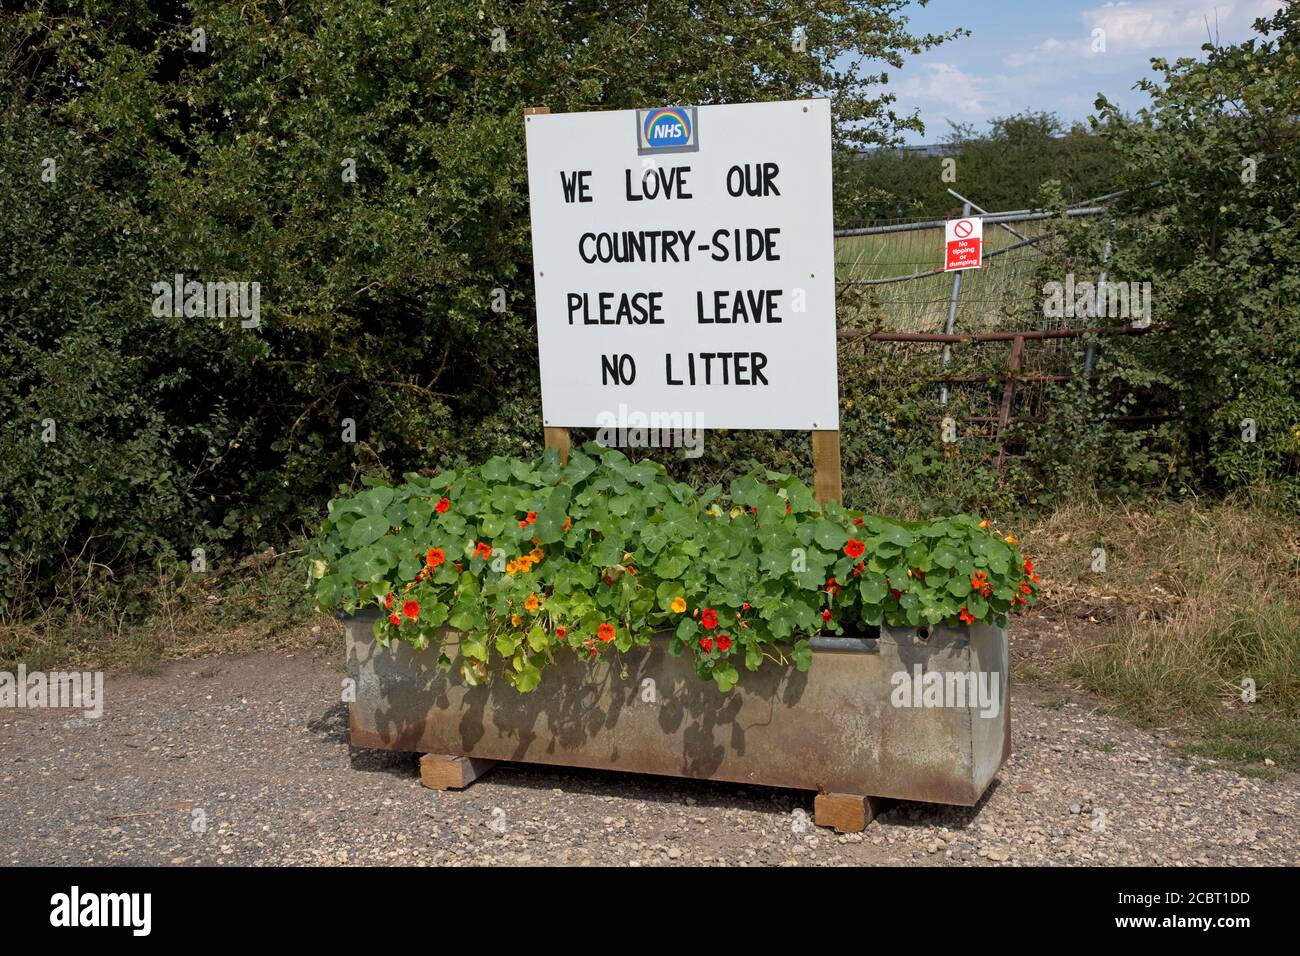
511 568
1011 539
737 511
514 620
985 524
531 604
679 604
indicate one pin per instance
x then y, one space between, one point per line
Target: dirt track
246 760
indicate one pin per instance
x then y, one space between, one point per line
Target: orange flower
531 604
679 604
854 548
435 557
568 523
411 609
560 632
536 554
442 505
967 617
605 632
483 550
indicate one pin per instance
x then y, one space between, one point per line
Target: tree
363 163
1211 223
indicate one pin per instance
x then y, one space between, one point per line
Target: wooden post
557 438
827 485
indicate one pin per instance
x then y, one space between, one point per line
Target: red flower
745 606
483 550
1025 588
826 615
918 574
532 516
394 620
787 507
459 566
605 632
854 548
388 601
724 642
435 557
707 644
981 583
896 593
858 522
1029 566
709 619
967 617
442 505
411 609
560 632
568 522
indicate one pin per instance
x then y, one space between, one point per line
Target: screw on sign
963 241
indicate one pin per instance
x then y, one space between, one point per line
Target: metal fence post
952 315
1090 357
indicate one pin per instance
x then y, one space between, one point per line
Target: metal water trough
840 727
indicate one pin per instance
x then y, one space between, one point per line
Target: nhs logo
668 129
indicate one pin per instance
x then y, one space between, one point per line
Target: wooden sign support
827 484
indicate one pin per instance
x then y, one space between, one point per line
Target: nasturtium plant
526 560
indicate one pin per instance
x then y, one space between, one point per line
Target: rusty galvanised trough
843 726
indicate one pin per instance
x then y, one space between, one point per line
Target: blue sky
1039 54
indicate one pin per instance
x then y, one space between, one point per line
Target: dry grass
1199 599
261 604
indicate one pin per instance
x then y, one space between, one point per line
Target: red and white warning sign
962 242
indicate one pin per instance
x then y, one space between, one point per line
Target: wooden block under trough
450 772
846 812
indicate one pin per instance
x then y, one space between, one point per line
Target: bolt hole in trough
922 633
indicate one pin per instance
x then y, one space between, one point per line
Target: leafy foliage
224 160
1214 167
526 559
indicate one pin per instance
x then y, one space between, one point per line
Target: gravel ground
245 760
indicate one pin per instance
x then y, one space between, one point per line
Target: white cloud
1148 26
948 85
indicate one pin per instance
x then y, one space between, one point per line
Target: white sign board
963 240
684 263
